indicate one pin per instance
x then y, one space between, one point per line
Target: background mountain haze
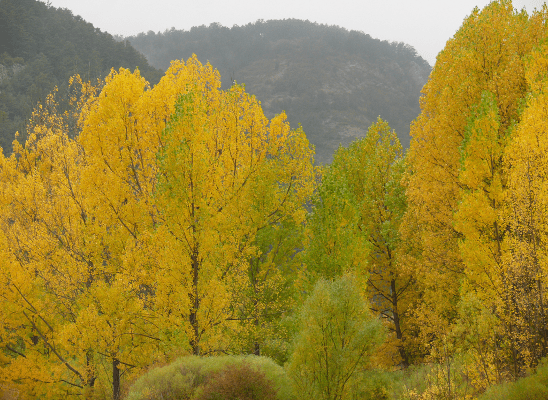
41 47
424 24
332 81
328 75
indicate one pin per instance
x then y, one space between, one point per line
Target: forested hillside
42 47
333 81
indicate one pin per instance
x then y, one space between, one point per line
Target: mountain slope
333 81
42 47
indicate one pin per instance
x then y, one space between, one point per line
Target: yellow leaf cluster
475 193
129 224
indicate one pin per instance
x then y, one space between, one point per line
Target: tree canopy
135 237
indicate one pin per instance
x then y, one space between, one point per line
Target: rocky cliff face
333 82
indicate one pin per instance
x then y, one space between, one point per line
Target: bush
533 387
188 377
373 385
336 338
238 382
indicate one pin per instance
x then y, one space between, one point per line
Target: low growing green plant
188 377
238 382
532 387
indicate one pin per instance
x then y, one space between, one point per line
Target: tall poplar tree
133 240
527 165
365 180
458 193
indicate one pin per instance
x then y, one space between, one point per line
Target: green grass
532 387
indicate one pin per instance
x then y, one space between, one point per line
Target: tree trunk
195 304
397 326
115 379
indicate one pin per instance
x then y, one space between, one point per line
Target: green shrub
532 387
372 385
238 382
189 376
337 334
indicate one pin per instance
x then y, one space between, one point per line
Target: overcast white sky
424 24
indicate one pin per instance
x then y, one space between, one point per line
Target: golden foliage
471 196
127 226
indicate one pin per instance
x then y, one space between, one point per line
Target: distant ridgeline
42 47
333 81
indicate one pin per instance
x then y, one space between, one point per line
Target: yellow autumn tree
133 239
40 271
479 219
497 277
485 55
201 172
76 318
526 162
226 174
457 189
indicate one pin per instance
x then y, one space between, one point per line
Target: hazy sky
424 24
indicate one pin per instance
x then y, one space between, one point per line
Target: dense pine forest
168 239
41 47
